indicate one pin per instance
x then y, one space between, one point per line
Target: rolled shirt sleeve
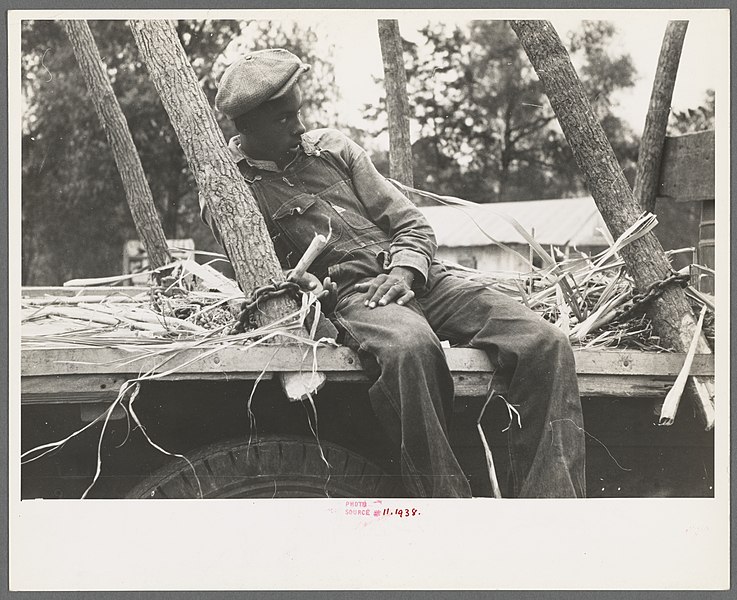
412 239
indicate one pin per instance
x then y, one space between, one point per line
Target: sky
358 57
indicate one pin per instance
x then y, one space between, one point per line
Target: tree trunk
137 191
397 103
505 158
220 184
645 260
656 122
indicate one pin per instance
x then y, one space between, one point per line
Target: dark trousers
413 390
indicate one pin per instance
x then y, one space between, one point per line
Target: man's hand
395 286
326 291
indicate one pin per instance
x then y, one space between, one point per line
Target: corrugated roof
567 221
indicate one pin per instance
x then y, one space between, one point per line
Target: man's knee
544 340
409 344
556 335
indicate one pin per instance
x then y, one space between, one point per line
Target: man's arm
412 239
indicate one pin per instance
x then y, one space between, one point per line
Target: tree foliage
691 120
75 217
487 132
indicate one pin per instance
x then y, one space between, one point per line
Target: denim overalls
317 197
400 347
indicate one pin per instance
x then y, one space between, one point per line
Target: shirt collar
307 146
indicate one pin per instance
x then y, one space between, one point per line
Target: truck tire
270 467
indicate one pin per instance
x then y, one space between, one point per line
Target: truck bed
60 374
74 374
198 399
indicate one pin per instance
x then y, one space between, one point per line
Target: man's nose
300 128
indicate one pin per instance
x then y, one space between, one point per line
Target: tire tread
289 461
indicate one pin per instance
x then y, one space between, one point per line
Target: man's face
273 130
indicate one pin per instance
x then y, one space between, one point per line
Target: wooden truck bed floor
80 374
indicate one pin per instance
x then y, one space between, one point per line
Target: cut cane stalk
300 385
94 281
75 300
495 489
673 398
210 279
144 316
318 244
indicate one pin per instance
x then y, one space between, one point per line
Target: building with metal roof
467 234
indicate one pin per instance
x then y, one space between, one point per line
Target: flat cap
256 78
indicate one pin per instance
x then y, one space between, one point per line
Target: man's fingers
329 291
395 291
388 294
330 285
383 294
406 297
371 287
383 290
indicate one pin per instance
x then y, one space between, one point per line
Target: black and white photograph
406 280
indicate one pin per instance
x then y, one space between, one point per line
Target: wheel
270 467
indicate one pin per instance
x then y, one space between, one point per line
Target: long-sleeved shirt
332 187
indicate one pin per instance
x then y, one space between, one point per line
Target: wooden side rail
687 170
83 375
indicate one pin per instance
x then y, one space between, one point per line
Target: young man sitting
395 301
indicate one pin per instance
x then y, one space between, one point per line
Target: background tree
644 258
396 101
691 120
138 194
487 132
74 215
656 121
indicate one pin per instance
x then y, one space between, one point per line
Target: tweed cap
256 78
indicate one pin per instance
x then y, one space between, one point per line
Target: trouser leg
412 392
547 452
